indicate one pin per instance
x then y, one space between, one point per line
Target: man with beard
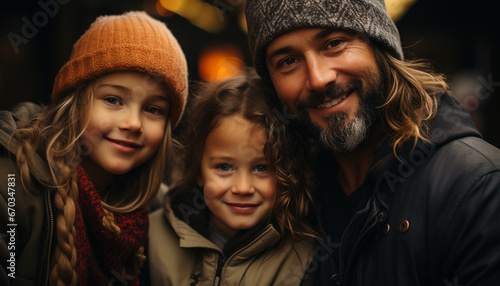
409 193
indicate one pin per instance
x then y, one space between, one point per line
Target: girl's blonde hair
56 132
285 150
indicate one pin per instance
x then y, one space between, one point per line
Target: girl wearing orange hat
77 178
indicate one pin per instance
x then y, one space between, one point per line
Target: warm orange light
162 11
220 62
205 17
242 21
201 14
172 5
397 8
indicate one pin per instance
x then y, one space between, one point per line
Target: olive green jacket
180 255
26 222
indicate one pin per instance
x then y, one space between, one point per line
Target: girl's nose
242 185
131 121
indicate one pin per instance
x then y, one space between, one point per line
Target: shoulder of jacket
483 152
465 159
8 125
303 246
463 169
21 112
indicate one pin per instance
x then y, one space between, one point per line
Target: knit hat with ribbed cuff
269 19
133 41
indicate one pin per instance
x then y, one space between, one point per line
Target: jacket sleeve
7 124
472 242
7 237
25 110
23 230
22 217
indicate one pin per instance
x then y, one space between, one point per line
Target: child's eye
112 100
260 168
224 167
154 110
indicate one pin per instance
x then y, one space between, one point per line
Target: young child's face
238 188
127 122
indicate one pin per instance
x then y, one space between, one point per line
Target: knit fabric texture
269 19
104 258
133 41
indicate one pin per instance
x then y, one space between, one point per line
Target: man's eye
334 43
287 61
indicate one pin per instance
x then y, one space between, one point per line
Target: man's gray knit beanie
269 19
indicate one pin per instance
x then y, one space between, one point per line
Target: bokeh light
219 62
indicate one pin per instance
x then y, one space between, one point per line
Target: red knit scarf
106 258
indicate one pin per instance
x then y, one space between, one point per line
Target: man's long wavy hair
413 90
55 134
284 150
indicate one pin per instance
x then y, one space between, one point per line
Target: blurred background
461 38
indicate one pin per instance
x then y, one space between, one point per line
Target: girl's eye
260 168
153 110
224 167
112 100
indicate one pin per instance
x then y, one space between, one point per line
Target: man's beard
344 135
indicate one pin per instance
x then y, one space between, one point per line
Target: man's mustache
333 91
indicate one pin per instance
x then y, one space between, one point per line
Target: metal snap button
386 228
404 226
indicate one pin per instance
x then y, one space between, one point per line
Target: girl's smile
126 124
237 186
124 145
242 208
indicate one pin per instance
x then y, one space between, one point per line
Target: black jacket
432 218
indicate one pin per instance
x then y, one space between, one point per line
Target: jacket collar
188 215
452 121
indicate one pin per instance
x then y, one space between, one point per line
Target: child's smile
126 125
238 188
124 146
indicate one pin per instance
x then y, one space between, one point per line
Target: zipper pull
218 273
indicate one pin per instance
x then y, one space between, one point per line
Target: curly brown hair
285 150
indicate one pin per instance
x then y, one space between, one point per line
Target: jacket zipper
51 234
378 217
222 261
218 273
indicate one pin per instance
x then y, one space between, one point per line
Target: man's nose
320 74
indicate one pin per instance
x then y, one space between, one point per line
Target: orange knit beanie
133 41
